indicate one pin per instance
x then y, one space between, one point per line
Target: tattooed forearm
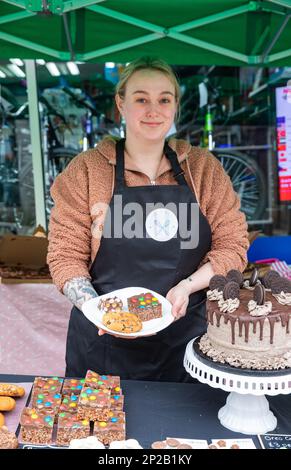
78 290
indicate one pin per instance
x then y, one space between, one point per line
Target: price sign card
275 441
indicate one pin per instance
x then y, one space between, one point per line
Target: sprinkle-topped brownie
72 386
46 385
69 404
94 404
145 306
111 430
71 427
94 380
36 426
117 402
48 402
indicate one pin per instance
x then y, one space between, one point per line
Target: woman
97 245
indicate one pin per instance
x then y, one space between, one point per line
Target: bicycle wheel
61 157
248 182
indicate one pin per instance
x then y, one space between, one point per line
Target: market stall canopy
187 32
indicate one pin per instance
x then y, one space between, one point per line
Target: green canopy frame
221 32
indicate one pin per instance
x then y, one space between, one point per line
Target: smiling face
149 105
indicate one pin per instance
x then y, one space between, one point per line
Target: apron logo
161 225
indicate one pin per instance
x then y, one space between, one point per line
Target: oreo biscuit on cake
279 285
254 278
269 277
217 282
236 276
231 290
260 294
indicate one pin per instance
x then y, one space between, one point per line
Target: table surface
157 410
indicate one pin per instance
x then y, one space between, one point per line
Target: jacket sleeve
228 224
69 248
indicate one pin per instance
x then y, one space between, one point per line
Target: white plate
92 312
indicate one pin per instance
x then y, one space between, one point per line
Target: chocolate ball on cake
269 277
236 276
231 290
217 282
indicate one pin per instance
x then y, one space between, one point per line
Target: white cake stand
246 410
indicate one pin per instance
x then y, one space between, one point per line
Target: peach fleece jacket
76 221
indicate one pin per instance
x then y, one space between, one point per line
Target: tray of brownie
62 412
132 311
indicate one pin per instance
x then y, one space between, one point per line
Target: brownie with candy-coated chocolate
94 404
146 306
69 404
71 427
36 426
111 430
47 402
72 386
94 380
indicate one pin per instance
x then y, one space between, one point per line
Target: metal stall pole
37 157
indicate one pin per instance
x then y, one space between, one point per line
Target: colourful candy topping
144 300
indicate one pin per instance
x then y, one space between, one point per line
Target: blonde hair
148 63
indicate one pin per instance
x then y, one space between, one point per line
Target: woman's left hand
179 298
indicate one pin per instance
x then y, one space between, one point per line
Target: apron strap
169 152
119 174
172 157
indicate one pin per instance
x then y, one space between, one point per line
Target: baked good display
71 427
116 402
58 418
111 304
11 390
36 426
47 402
7 403
69 404
111 430
46 385
72 386
8 440
123 322
146 306
22 272
95 380
94 404
248 325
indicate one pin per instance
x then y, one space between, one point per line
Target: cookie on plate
123 322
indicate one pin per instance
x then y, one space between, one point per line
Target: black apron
143 261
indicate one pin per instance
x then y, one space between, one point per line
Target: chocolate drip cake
248 324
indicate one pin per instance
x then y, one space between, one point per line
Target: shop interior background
230 109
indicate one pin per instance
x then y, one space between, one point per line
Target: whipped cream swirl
214 294
283 298
256 310
228 305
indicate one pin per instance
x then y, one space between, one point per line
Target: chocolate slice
254 278
269 277
231 290
217 282
260 294
281 285
236 276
